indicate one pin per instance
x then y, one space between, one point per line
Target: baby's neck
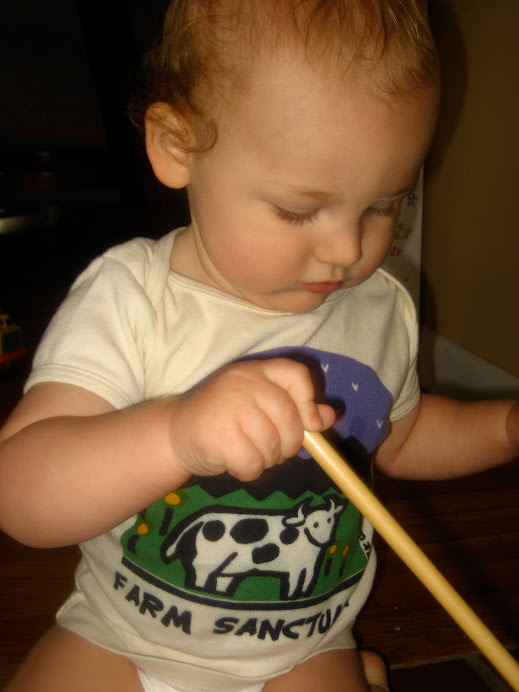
183 259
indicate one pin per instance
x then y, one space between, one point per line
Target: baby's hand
246 418
512 426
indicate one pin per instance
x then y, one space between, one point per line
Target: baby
180 375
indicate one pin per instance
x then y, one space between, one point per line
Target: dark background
74 178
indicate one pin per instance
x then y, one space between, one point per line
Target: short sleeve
100 336
406 343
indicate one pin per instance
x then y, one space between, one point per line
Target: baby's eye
297 218
389 210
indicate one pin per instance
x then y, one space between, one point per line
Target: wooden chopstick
361 496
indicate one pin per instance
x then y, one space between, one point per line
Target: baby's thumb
319 417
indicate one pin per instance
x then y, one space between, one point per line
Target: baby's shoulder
142 261
137 255
386 290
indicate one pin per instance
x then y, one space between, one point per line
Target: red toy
11 341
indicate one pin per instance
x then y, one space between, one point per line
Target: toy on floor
11 340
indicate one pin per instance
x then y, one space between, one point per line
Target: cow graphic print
288 545
288 537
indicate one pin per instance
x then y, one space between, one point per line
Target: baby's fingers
297 381
261 438
327 415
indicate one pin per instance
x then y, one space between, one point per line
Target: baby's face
299 196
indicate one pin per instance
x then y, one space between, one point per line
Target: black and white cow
219 548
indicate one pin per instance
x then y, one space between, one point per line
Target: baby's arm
445 438
72 467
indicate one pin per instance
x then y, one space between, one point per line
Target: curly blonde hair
208 48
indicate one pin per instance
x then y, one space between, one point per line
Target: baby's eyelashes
295 217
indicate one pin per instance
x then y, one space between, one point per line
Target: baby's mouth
322 286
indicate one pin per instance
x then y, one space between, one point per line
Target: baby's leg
64 662
340 670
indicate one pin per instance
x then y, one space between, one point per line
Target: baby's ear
167 139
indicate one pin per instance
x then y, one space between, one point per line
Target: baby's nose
342 248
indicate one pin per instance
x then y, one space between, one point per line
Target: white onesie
221 585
